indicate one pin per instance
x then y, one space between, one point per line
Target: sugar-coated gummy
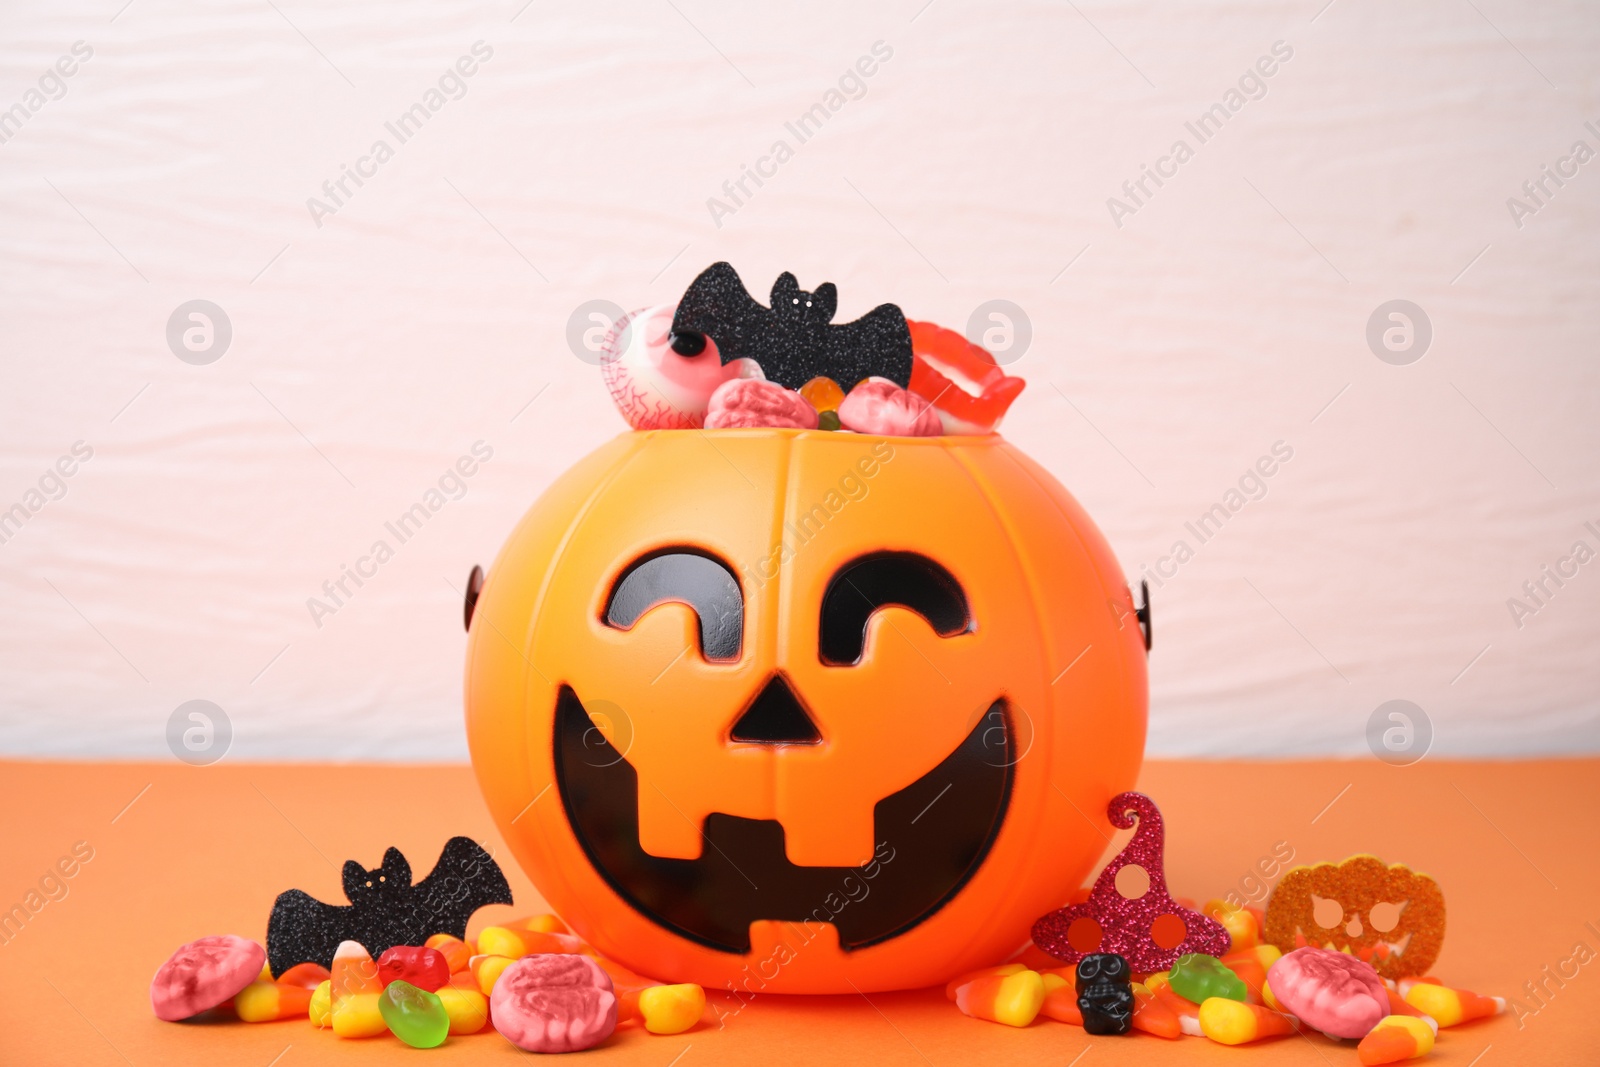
203 974
750 402
1330 991
880 406
554 1003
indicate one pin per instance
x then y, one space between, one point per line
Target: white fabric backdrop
1175 340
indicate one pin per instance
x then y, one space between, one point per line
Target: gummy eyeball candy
554 1003
655 386
203 974
1329 991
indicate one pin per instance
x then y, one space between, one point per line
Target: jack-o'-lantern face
1392 917
806 706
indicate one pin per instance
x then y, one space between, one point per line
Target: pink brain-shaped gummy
751 402
1330 991
203 974
554 1003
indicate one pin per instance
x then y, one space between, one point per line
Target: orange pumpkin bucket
805 712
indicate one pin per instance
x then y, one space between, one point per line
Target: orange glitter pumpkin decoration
804 712
1390 916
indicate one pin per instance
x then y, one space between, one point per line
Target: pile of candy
540 987
1252 992
719 360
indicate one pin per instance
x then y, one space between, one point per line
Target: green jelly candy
1197 976
827 420
414 1015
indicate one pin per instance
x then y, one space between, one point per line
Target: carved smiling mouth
743 874
1382 950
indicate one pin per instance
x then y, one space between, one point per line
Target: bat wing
878 344
717 305
303 929
464 880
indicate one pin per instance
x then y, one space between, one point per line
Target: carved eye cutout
1327 912
1385 916
703 583
1133 881
904 578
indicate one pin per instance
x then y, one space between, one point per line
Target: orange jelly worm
1450 1007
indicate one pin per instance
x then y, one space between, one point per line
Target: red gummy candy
751 402
425 968
554 1003
203 974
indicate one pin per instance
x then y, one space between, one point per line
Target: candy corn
1398 1006
1251 965
1452 1006
1036 959
627 986
1012 999
309 975
503 941
264 1002
1060 997
541 924
320 1010
485 970
1241 925
1151 1015
671 1009
1395 1038
355 991
467 1008
962 979
456 951
1232 1022
1187 1011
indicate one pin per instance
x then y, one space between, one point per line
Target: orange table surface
179 852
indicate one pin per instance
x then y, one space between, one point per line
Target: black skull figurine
1105 994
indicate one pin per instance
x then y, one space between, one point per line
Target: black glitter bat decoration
795 339
385 909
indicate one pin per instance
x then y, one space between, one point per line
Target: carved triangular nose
775 717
